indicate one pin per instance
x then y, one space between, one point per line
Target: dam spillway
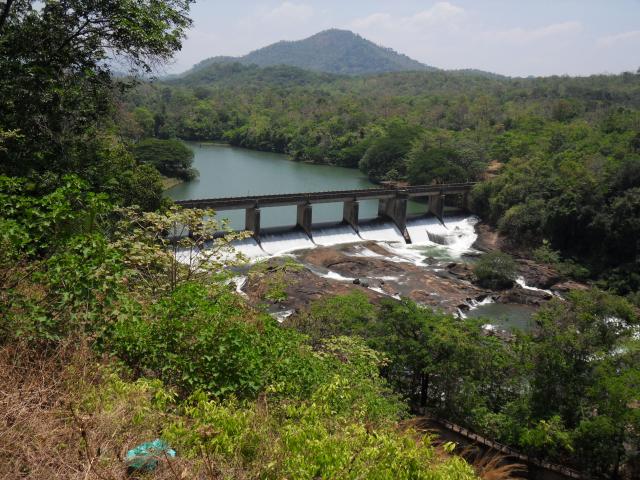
392 207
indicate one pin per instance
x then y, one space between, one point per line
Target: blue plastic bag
144 457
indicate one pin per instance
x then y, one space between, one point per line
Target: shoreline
169 182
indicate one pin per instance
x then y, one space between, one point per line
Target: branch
5 12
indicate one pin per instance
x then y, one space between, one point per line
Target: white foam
521 281
360 251
282 315
379 290
239 282
457 234
381 232
335 276
473 304
335 235
249 248
277 244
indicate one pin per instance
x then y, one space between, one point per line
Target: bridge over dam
392 204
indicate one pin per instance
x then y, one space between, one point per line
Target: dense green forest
108 341
560 156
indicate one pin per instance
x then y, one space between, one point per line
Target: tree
387 152
55 72
171 157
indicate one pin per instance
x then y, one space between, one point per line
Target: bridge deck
257 201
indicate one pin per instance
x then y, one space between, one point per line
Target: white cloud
624 37
374 20
440 14
289 11
523 35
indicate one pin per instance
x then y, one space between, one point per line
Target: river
233 172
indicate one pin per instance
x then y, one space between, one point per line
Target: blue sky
513 37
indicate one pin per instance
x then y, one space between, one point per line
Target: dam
392 206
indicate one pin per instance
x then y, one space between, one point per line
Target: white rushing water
430 238
335 235
381 232
457 233
249 248
522 282
279 243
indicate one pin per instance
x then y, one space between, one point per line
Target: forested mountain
330 51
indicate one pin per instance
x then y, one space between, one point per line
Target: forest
108 341
559 157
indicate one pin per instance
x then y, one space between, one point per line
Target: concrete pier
304 220
351 213
252 221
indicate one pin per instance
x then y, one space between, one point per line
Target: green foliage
545 254
438 158
163 250
295 441
495 270
386 153
546 438
55 85
171 157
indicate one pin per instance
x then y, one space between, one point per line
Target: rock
536 275
489 240
523 296
356 281
566 286
461 271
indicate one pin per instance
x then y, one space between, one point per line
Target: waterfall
279 243
335 235
249 248
381 232
457 233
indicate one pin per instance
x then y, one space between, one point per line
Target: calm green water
232 172
506 315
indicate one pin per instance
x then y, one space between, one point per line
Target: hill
331 51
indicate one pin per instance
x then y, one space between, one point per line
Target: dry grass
488 464
51 427
494 466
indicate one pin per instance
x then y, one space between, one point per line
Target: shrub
495 270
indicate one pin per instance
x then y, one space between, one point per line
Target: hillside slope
330 51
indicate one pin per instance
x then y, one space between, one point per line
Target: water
234 172
506 316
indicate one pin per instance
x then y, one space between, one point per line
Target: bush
495 270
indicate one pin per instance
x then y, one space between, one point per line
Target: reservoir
232 172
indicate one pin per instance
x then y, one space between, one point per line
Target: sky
511 37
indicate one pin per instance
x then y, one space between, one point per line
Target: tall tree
56 60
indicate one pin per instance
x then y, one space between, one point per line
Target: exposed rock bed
371 268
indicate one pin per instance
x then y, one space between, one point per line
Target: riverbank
170 182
